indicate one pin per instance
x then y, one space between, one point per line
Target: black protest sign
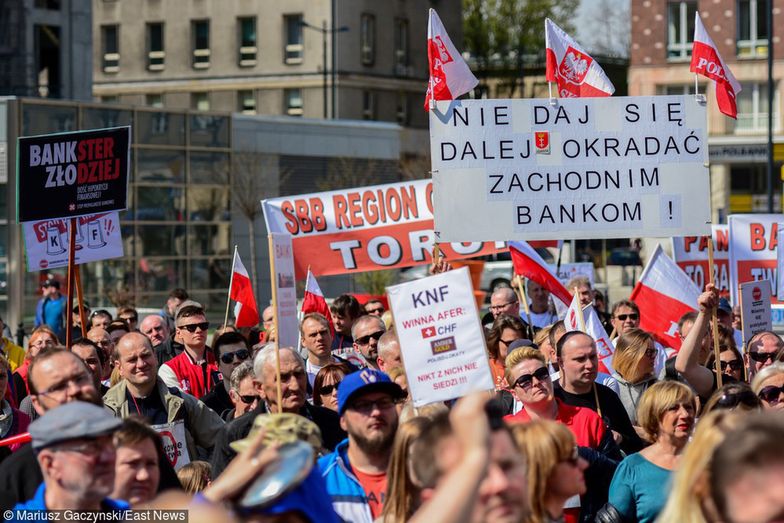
72 174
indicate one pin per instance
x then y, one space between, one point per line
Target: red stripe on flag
242 293
659 314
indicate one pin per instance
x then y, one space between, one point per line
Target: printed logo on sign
574 66
542 141
170 447
428 332
443 345
756 293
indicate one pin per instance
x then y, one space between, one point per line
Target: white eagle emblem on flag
574 66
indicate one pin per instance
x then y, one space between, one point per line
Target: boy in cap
355 473
73 445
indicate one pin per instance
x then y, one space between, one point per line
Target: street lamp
324 30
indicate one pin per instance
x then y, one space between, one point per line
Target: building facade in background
662 36
46 48
269 57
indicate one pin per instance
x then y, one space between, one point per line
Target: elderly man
156 329
142 393
366 332
194 370
73 445
389 352
763 349
317 340
504 301
101 337
137 470
366 404
584 289
293 385
56 377
579 364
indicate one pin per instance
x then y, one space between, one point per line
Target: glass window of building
110 45
200 101
246 102
402 109
156 55
293 48
401 46
368 105
680 29
752 28
247 41
153 100
367 38
752 104
200 30
675 89
292 99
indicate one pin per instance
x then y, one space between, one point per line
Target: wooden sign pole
70 285
80 301
714 317
274 282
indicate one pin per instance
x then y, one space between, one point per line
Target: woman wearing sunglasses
634 361
325 386
768 385
730 359
639 488
555 469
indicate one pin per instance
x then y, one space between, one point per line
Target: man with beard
56 377
73 444
366 332
356 472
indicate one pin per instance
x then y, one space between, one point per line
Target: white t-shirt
541 320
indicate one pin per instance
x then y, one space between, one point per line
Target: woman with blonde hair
639 487
634 360
402 496
768 385
555 469
195 476
690 499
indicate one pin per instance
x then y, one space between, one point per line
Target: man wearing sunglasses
243 393
317 339
763 349
230 350
366 331
193 371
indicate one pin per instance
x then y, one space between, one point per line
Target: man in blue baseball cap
356 472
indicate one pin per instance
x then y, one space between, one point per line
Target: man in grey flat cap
73 444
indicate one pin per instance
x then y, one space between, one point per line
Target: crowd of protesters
144 412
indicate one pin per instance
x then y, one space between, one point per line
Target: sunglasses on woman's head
526 380
730 401
771 394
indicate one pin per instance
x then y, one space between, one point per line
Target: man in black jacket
293 382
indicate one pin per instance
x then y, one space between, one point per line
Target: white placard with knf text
441 339
583 168
755 308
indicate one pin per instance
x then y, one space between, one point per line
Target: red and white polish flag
593 328
314 301
571 68
450 76
529 264
706 60
664 293
246 312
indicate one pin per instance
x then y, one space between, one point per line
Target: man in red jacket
194 370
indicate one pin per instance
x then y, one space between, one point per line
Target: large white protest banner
753 246
285 289
584 168
441 340
98 237
755 308
691 255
